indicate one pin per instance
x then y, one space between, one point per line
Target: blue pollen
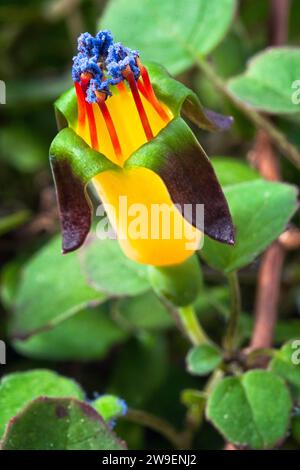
94 86
98 53
86 44
103 41
118 58
83 64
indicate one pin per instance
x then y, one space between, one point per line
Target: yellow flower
133 146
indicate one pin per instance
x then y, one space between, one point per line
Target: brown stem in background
279 21
269 275
267 296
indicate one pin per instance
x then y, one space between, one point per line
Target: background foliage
91 318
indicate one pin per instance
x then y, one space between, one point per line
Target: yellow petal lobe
150 229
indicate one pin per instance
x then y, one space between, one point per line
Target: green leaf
168 34
18 389
141 312
109 407
52 289
260 212
252 410
286 363
10 278
270 81
231 171
59 424
203 359
109 271
86 336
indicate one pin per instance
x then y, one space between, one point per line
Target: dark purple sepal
73 165
75 209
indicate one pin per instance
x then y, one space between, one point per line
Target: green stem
233 323
156 424
288 149
191 326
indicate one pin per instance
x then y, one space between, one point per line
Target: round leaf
271 81
86 336
18 389
167 33
286 363
203 359
260 212
144 311
109 271
252 410
59 424
52 289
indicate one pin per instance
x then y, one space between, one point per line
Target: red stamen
138 102
142 89
92 125
150 92
85 78
111 129
80 104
